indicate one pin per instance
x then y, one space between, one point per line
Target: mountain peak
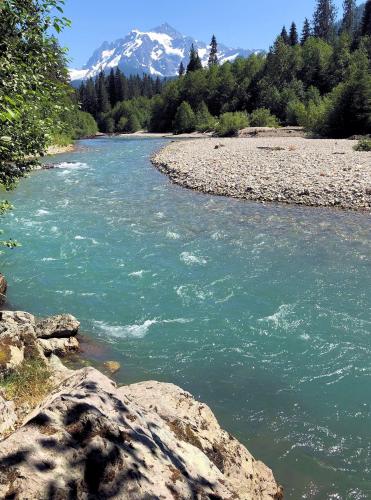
168 30
157 52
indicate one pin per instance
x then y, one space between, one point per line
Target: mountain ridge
157 52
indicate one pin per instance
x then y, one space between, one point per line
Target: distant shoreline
290 170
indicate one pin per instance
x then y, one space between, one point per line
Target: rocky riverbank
313 172
87 438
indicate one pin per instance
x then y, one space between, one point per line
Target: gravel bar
313 172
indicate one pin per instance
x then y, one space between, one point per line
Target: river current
261 311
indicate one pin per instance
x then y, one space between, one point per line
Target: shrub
107 124
84 125
312 116
230 123
205 122
363 145
185 119
262 117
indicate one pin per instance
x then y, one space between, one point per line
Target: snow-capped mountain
157 52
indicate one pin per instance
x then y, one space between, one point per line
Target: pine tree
284 35
366 20
324 20
294 38
194 60
181 70
213 57
158 86
306 33
112 88
90 100
347 24
102 94
121 86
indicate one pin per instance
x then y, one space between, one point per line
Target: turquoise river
261 311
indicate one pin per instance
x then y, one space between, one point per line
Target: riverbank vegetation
37 105
319 79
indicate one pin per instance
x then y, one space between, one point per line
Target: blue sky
236 23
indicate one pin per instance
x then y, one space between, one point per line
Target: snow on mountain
158 52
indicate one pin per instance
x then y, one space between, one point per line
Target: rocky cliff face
91 440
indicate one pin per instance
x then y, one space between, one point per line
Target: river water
263 312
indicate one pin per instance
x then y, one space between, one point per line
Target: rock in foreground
89 439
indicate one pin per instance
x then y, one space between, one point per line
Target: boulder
112 366
61 326
3 289
11 356
8 416
90 440
194 422
59 346
18 339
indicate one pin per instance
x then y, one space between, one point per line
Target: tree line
318 78
99 96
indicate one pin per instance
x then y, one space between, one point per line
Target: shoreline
174 447
288 170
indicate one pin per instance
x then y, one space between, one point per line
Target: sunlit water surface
261 311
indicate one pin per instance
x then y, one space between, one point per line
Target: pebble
296 170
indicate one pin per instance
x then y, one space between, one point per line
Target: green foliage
262 117
205 122
230 124
308 83
194 60
363 145
185 119
29 384
213 57
324 19
34 92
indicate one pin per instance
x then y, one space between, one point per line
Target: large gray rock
61 326
23 337
59 347
90 440
8 416
17 340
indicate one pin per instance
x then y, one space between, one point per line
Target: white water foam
281 318
138 331
172 236
190 259
72 165
41 212
138 274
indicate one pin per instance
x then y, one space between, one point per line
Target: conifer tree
347 24
324 20
366 20
90 100
121 86
306 33
194 60
213 57
158 85
112 88
102 94
284 35
294 38
181 70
